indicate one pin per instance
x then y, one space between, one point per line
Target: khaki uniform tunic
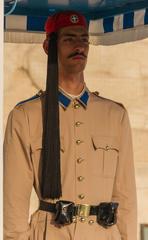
96 166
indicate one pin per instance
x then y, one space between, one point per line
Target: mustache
77 54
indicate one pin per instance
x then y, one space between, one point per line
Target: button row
80 160
90 222
82 219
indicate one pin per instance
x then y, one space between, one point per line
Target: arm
124 190
18 176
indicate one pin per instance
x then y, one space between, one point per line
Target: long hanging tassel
51 175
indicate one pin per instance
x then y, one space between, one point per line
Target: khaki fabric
107 168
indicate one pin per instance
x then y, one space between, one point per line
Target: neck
72 83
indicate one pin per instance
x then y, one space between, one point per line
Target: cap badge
74 18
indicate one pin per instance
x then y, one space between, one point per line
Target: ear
45 46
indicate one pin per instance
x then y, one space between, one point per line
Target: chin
79 67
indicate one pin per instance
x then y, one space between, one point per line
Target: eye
69 39
85 40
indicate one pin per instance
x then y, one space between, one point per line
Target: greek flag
105 30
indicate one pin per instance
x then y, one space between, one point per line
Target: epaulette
38 95
120 104
97 94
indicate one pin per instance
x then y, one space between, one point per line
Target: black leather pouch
107 216
64 212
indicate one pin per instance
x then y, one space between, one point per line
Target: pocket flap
105 142
37 144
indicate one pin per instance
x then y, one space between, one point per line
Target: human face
73 46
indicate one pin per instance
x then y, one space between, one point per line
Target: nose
79 45
79 48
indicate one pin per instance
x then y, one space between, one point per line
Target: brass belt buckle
83 211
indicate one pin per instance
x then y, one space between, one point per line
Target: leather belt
79 209
66 211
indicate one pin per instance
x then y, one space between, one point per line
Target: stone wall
118 72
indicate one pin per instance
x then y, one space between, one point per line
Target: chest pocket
36 144
108 154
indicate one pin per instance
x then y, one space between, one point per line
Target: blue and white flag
110 22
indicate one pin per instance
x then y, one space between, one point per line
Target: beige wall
118 72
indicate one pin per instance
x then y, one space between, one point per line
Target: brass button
91 222
82 219
40 93
76 105
81 196
80 178
79 160
78 124
107 147
78 142
96 93
74 219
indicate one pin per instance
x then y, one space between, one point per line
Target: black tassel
51 175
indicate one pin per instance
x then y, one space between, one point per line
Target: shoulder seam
36 96
97 94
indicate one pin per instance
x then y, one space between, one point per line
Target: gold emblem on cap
74 18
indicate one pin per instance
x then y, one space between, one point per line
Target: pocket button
107 147
91 222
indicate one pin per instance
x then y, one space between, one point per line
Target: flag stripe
146 17
108 24
35 23
128 20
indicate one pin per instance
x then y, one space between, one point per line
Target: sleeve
124 191
18 176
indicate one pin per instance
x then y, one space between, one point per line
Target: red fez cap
64 19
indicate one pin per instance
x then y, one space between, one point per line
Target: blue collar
65 100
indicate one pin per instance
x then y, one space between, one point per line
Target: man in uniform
74 147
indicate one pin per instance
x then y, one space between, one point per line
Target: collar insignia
65 100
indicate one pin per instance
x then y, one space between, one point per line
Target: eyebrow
74 35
